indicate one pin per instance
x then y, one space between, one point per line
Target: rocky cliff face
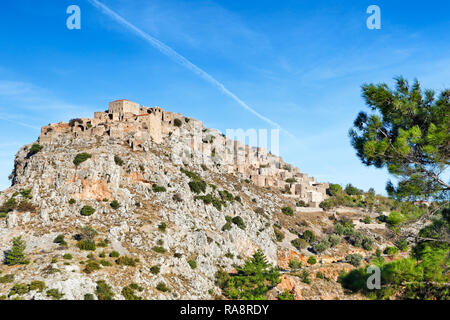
157 220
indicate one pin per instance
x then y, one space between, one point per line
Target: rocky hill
98 200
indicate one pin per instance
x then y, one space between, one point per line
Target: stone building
139 125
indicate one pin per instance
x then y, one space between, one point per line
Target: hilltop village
139 126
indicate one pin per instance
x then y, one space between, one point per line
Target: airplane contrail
20 123
168 51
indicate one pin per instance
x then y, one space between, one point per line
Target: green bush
309 236
157 188
321 246
104 291
128 293
295 264
115 204
60 240
105 263
354 259
35 148
155 269
9 205
159 249
287 211
344 227
85 244
210 199
55 294
7 278
299 244
118 160
162 287
192 264
37 286
81 157
16 254
279 235
286 295
87 211
334 240
67 256
91 266
114 254
320 275
367 220
391 251
304 277
402 245
395 218
162 226
26 193
19 289
89 296
72 201
312 260
197 186
239 222
126 261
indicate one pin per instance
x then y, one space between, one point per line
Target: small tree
17 253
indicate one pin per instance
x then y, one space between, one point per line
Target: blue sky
299 63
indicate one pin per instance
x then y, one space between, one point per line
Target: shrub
118 160
239 222
114 254
102 244
7 278
26 193
291 180
367 220
128 293
72 201
87 211
299 244
9 205
286 295
391 251
334 240
105 263
67 256
302 203
321 246
177 123
395 218
37 285
35 148
157 188
16 254
60 240
309 236
304 276
126 261
155 269
89 296
320 275
19 289
312 260
55 294
192 264
159 249
402 245
85 244
197 186
344 227
162 287
162 226
88 233
354 259
81 157
295 264
115 205
91 266
367 243
104 291
279 235
287 211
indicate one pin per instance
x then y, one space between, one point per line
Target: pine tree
16 255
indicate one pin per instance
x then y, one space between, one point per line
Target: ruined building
139 126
